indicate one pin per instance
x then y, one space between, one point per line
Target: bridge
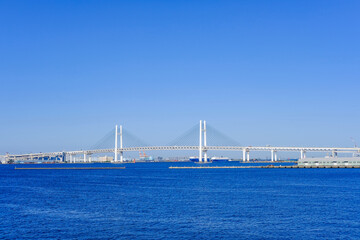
202 147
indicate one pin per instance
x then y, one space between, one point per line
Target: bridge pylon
116 149
202 144
116 144
121 145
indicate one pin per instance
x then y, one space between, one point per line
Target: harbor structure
330 161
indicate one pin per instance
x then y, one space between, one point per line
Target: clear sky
263 72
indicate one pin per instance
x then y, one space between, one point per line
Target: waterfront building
330 161
105 159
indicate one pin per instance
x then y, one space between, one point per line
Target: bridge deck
195 148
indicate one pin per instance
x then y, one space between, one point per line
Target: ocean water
151 201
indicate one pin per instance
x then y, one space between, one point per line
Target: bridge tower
205 144
121 145
116 144
116 150
202 144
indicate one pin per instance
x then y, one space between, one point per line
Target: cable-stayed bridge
199 139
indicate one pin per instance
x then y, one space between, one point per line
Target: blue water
150 201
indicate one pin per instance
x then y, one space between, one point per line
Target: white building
105 159
2 159
330 161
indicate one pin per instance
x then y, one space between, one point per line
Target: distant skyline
283 73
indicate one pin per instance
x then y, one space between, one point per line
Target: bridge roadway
196 148
219 148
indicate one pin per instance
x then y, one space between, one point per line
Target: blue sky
263 72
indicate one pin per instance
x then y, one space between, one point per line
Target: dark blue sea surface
151 201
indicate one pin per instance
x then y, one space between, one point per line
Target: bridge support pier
303 154
334 154
244 155
85 157
248 156
275 156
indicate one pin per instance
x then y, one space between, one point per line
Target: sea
151 201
